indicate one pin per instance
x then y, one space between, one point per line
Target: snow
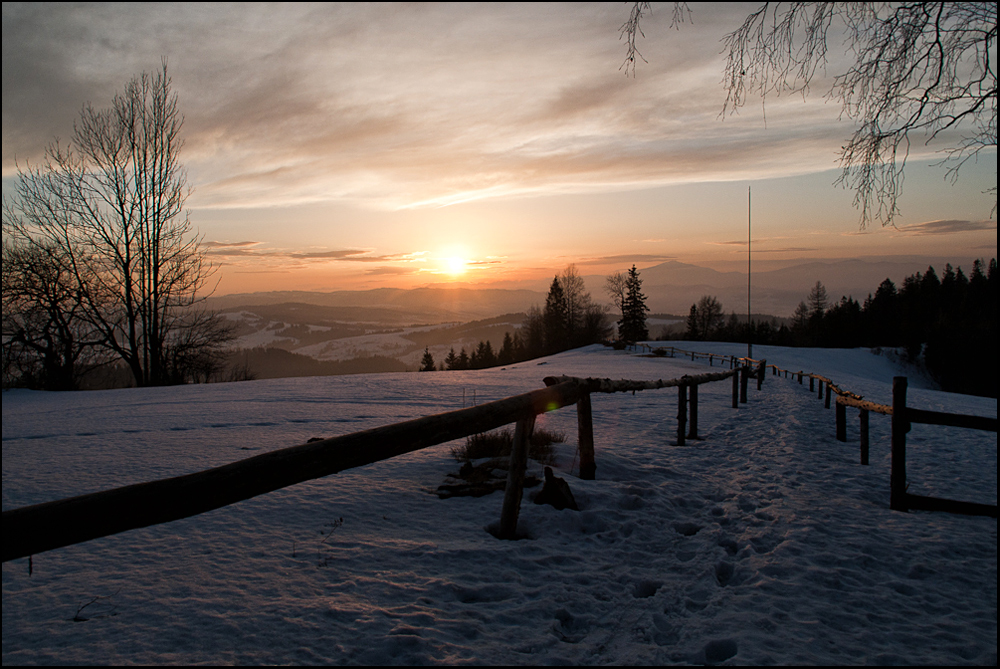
766 542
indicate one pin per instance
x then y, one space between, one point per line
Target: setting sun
455 266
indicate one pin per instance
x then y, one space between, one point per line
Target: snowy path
766 542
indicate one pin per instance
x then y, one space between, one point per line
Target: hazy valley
302 333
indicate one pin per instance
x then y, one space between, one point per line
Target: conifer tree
427 362
554 318
632 327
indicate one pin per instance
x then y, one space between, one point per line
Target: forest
947 323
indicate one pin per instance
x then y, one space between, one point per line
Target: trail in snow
766 542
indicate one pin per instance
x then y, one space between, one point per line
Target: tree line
570 319
948 322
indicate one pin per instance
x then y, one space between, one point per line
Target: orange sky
358 146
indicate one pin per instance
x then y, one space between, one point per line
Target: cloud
946 227
288 106
227 245
788 249
279 256
391 271
625 258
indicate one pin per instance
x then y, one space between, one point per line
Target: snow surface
766 542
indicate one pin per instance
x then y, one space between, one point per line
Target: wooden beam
952 419
736 391
950 506
585 432
863 417
900 425
693 412
41 527
681 412
515 478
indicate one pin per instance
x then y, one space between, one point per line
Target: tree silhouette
632 327
921 71
112 202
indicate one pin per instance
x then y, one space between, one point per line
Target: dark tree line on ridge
951 321
569 320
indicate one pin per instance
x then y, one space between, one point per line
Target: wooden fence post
736 391
812 389
744 379
900 426
826 404
863 415
515 477
585 432
819 382
841 422
760 373
800 380
681 412
693 412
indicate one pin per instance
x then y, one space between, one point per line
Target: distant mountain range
670 287
297 333
396 306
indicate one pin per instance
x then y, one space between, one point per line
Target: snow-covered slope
766 542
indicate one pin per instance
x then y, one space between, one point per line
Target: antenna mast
749 320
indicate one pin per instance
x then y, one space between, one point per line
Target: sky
353 146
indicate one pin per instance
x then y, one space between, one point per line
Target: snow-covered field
764 543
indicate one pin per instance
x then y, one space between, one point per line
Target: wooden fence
42 527
902 417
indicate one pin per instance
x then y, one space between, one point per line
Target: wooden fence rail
41 527
902 417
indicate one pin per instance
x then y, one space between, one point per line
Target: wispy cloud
625 258
252 250
287 106
788 249
391 271
947 227
226 245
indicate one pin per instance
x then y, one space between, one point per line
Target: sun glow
455 266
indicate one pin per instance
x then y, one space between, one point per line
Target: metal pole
749 321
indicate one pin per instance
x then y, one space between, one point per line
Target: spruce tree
632 327
427 362
554 318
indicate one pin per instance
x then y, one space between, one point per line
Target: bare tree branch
922 71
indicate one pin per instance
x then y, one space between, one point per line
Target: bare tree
922 71
112 201
576 297
709 316
616 286
46 342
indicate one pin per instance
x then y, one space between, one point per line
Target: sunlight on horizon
455 266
